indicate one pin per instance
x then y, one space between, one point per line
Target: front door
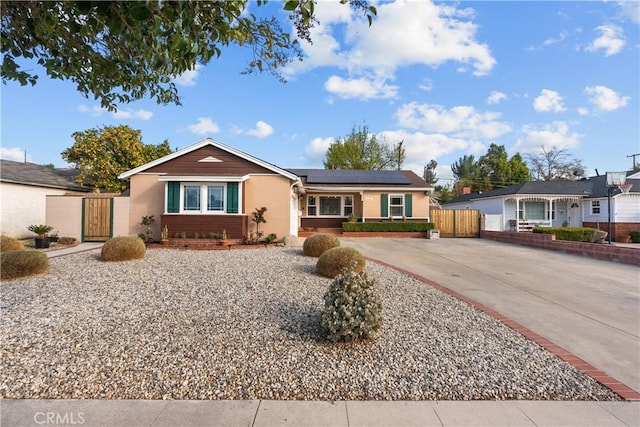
96 219
575 219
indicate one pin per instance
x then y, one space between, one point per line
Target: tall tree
519 169
554 164
464 167
429 173
101 154
119 51
361 150
493 168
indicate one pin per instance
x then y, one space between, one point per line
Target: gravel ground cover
246 325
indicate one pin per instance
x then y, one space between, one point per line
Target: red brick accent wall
548 241
619 230
235 225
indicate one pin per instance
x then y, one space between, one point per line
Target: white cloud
563 35
496 97
188 78
630 10
317 149
262 130
202 126
360 88
583 111
460 121
405 33
123 114
421 147
94 110
549 100
611 40
605 99
556 134
426 85
131 114
16 154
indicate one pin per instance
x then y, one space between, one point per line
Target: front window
215 198
595 207
330 205
191 198
396 205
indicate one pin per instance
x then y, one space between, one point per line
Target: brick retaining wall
602 251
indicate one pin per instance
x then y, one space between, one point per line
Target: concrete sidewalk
82 247
269 413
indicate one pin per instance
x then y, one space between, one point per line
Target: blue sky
447 78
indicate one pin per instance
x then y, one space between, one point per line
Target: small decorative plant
635 236
223 236
270 238
147 221
164 234
258 218
352 309
40 229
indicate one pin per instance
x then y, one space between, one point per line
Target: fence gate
97 219
456 223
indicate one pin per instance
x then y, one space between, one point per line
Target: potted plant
164 236
223 238
53 237
42 241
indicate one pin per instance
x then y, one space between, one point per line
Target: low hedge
388 226
635 236
574 234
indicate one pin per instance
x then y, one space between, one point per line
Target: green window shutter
384 205
408 205
232 197
173 197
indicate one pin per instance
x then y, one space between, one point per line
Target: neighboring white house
521 207
24 188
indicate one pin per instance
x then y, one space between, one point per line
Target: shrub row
574 234
388 226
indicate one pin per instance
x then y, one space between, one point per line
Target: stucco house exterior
209 187
521 207
24 188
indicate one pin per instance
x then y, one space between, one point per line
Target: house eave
207 178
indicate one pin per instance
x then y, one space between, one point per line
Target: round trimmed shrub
340 261
352 309
123 248
15 264
10 244
318 243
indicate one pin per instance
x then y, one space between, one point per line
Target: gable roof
128 174
39 176
593 187
361 178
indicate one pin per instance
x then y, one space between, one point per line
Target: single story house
581 203
209 187
24 188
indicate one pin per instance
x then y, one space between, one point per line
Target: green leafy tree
442 194
119 51
429 173
361 150
519 169
102 154
493 169
554 164
464 167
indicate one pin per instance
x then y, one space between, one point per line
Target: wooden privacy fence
456 223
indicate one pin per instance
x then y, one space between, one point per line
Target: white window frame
595 207
204 198
401 206
316 205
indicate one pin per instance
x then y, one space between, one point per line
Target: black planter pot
42 242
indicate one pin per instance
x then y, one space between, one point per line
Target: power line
634 159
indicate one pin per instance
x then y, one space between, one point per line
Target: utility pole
634 159
400 154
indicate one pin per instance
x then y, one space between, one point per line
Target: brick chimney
466 190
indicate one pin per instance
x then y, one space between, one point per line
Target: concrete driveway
589 307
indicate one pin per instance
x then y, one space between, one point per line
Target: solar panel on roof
322 176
